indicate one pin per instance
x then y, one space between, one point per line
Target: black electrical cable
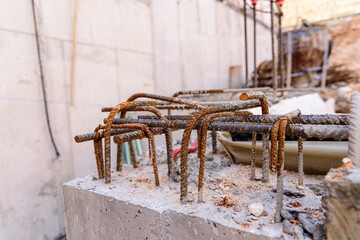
43 83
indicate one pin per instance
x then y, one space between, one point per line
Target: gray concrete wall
123 47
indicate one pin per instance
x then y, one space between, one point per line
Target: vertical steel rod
253 156
255 76
324 66
119 158
132 154
274 68
246 47
281 59
288 60
265 158
300 162
214 141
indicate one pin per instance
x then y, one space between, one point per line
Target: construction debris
207 118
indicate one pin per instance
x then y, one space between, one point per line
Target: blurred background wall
122 47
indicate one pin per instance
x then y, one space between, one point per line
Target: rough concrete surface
342 203
131 207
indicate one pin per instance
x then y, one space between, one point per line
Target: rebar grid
224 117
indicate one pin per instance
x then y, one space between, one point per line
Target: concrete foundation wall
123 47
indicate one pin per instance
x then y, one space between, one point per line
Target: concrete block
342 204
109 212
131 207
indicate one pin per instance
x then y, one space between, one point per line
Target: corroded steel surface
187 132
148 133
217 117
107 132
273 151
265 158
280 170
202 147
338 132
195 92
326 119
119 158
257 95
198 92
301 161
214 141
168 136
253 155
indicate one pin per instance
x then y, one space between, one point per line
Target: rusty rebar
129 136
338 132
196 92
202 147
152 154
95 135
280 169
132 155
287 117
257 95
168 137
214 141
187 132
169 152
325 119
253 155
107 132
300 162
168 117
265 157
199 92
119 158
176 107
166 99
98 157
273 151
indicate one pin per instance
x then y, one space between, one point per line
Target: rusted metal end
257 95
253 156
